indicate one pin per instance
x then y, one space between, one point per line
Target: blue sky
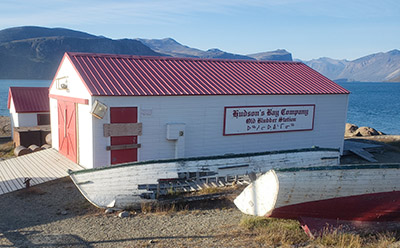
339 29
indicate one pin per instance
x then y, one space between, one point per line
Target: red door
67 129
123 115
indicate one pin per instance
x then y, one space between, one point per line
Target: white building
28 106
155 108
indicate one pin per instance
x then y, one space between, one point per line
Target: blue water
5 85
375 105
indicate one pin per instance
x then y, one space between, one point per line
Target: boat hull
337 195
384 206
130 185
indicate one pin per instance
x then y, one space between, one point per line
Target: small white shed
110 109
29 106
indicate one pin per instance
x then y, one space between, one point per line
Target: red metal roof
29 99
123 75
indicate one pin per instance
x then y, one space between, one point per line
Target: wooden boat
128 186
346 196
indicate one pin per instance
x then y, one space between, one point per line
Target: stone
124 214
366 131
109 211
350 129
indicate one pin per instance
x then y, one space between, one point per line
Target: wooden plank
364 154
349 144
122 147
41 166
18 173
48 165
122 129
11 178
34 128
4 182
36 169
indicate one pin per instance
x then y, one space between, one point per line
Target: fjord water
375 105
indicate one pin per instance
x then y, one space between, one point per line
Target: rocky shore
353 130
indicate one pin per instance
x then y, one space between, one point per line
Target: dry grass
210 190
168 209
338 239
392 140
274 232
368 240
7 150
288 233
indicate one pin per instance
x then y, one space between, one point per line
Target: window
43 119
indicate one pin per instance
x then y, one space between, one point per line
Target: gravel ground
55 214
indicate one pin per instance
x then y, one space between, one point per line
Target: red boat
348 196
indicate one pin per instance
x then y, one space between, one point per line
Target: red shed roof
123 75
29 99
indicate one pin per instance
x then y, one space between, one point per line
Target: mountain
279 55
29 32
171 47
376 67
330 68
397 79
35 53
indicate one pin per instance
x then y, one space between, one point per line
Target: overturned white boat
355 196
128 186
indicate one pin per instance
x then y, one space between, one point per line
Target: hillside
330 68
375 67
35 53
279 55
173 48
378 67
29 32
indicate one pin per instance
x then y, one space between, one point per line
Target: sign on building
268 119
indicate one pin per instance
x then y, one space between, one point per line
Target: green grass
275 232
271 232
